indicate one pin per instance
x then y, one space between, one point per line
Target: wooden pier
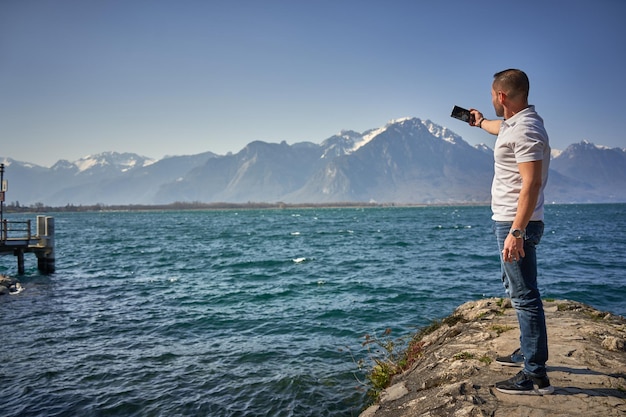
16 238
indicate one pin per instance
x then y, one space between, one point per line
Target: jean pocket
534 232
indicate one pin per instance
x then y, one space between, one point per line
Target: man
522 158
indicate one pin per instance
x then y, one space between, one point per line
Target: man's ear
502 97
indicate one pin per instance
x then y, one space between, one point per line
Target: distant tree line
15 207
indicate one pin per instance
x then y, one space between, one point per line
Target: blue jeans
520 282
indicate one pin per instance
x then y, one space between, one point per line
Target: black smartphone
462 114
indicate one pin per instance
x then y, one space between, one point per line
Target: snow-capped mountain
106 162
341 144
406 161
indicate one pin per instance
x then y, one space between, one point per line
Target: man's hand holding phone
473 117
477 117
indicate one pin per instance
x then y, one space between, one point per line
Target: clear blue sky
178 77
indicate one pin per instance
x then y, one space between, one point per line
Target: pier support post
19 253
45 256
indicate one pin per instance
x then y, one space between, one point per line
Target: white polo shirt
522 138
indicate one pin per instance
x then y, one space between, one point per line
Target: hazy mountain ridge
406 161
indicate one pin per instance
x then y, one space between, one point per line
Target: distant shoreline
198 206
221 206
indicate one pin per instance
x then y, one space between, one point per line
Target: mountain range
407 161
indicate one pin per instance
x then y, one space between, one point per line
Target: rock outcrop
456 371
9 285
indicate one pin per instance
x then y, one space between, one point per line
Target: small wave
455 227
299 260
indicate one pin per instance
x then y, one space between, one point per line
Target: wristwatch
518 233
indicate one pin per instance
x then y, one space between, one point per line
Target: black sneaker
514 359
525 385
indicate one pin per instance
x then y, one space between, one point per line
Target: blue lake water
261 312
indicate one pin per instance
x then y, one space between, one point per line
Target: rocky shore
455 372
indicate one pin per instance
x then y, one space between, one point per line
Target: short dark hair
513 82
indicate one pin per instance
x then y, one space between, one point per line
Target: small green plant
501 328
393 356
436 324
431 328
485 359
463 355
380 376
453 320
569 306
387 358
